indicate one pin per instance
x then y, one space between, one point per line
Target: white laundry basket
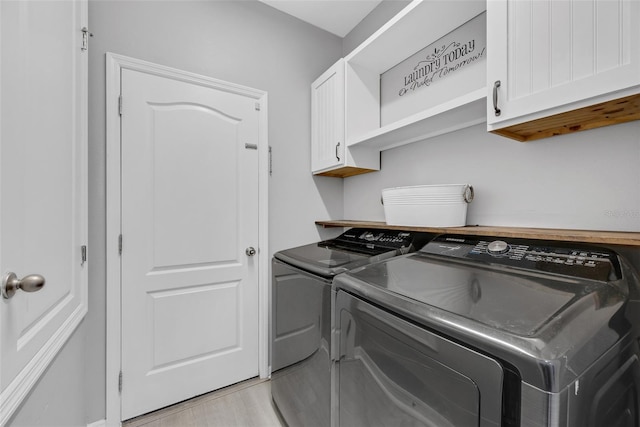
427 205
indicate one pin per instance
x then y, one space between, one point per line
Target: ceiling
335 16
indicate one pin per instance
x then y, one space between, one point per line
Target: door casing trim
114 65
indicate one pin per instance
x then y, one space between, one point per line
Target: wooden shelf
584 236
345 172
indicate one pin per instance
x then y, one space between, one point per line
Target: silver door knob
250 251
11 284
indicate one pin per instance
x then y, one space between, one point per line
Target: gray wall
374 20
587 180
244 42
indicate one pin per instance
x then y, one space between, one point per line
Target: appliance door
392 372
612 395
300 346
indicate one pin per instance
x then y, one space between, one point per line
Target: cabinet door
552 56
327 119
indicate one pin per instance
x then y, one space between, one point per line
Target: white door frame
115 64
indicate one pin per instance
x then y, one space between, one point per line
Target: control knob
498 247
369 236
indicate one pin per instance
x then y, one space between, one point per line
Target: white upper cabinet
327 119
388 92
445 97
542 68
559 66
329 154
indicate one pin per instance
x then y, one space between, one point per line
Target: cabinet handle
337 152
496 85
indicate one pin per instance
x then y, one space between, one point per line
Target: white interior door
43 186
189 215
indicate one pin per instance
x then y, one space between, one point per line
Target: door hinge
120 105
120 244
85 38
83 251
257 106
120 382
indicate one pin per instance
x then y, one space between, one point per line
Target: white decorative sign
415 84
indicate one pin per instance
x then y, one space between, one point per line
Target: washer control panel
378 241
380 236
537 255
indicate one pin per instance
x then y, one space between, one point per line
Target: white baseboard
99 423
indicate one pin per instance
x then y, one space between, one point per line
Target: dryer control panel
537 255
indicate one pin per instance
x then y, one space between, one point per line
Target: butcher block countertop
584 236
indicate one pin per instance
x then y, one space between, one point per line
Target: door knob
250 251
11 283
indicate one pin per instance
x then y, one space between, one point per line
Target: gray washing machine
480 331
301 325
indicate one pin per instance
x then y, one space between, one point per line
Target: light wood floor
247 404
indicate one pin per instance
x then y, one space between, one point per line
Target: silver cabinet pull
337 151
496 85
250 251
11 284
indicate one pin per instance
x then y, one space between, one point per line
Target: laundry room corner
247 43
